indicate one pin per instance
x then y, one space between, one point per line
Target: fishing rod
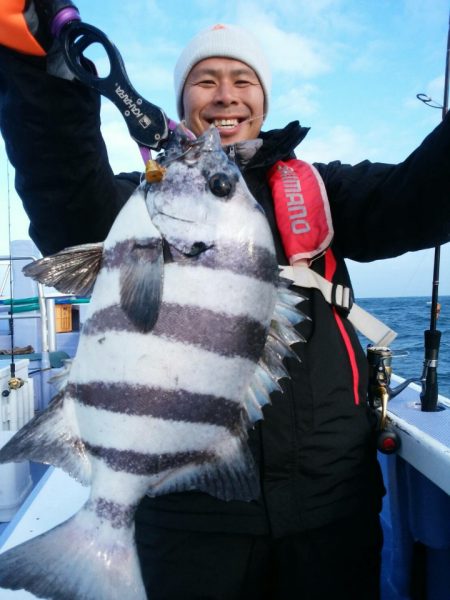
380 357
432 336
14 382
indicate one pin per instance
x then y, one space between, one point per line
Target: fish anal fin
232 478
48 439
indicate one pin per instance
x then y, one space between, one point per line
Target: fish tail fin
84 558
48 439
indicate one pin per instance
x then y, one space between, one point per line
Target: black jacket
316 447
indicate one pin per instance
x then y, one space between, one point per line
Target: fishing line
193 143
422 258
14 382
11 284
249 120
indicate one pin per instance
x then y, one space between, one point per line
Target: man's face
226 93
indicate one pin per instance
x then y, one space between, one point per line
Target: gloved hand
25 26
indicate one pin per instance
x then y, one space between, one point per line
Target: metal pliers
147 123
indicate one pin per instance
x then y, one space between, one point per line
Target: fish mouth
164 214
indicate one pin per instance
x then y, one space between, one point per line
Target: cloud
123 152
288 52
139 10
425 12
17 220
371 56
158 78
298 100
406 275
338 143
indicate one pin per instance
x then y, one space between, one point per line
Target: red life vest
303 217
302 210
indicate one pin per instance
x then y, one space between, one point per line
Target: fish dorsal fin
71 271
282 335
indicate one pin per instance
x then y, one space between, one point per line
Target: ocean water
410 317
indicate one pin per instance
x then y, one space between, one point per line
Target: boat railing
46 314
5 277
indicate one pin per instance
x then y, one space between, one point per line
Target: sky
348 69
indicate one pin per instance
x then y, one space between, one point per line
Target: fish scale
174 363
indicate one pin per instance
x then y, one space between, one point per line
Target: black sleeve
51 129
381 211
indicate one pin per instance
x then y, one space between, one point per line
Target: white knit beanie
227 41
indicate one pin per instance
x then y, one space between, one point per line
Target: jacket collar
271 146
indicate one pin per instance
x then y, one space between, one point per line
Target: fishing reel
379 394
14 383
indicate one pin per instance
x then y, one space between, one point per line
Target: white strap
339 295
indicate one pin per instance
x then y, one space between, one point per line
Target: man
314 533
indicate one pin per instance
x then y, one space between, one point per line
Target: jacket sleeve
51 129
380 210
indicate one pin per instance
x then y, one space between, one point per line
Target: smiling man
222 78
225 93
314 531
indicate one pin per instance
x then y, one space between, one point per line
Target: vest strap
341 297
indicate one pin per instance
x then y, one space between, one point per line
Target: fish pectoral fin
71 271
141 281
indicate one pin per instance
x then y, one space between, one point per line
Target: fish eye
220 184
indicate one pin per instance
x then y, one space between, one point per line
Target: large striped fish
184 341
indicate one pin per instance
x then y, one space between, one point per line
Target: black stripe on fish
116 514
139 463
201 327
177 405
260 264
236 480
